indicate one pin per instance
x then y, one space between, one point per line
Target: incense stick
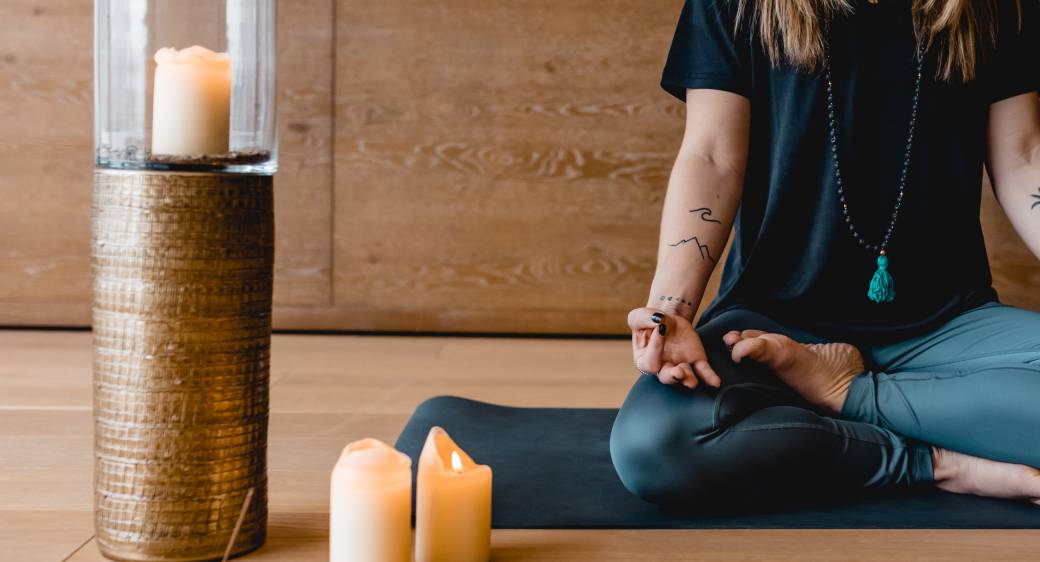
238 524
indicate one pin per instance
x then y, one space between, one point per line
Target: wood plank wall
46 163
448 165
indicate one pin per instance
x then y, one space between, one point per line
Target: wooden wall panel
499 165
45 160
46 165
448 165
303 186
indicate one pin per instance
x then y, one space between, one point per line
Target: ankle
943 469
842 396
839 395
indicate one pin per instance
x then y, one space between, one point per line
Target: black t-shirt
793 257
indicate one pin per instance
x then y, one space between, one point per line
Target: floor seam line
78 548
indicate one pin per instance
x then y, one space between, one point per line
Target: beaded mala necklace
882 288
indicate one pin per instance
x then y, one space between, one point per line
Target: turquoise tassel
882 287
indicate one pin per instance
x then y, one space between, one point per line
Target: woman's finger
644 337
644 318
671 374
689 378
651 357
706 373
640 339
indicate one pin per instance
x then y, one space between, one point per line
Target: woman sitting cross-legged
855 342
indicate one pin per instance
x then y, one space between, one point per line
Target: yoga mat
552 470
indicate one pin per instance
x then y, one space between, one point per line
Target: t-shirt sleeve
704 52
1016 61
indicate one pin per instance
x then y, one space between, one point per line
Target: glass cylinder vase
185 85
182 260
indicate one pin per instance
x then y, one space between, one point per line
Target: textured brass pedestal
182 266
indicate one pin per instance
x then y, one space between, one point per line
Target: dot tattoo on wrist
676 301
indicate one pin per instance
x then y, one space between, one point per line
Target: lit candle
370 516
453 504
191 102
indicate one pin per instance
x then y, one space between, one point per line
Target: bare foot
820 373
963 474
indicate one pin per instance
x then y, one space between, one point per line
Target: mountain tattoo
705 252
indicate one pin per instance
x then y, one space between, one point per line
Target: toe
731 337
774 350
758 349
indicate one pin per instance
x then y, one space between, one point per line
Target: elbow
1016 168
723 163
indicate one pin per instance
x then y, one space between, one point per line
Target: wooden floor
329 390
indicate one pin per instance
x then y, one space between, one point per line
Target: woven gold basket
182 266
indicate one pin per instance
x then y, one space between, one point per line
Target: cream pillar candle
370 515
453 504
191 102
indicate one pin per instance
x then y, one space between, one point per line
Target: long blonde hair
793 30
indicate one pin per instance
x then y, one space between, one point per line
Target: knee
638 459
657 458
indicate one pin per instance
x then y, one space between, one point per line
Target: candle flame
456 462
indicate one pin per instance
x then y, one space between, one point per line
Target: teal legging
972 385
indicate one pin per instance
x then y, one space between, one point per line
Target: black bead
904 172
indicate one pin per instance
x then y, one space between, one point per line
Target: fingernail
662 328
656 317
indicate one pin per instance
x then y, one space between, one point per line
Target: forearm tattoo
1037 197
676 300
706 215
705 251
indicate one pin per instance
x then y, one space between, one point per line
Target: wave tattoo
705 252
706 215
1037 197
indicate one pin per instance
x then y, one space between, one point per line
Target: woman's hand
668 345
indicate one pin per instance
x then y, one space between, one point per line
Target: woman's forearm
698 213
1014 163
1019 195
703 194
